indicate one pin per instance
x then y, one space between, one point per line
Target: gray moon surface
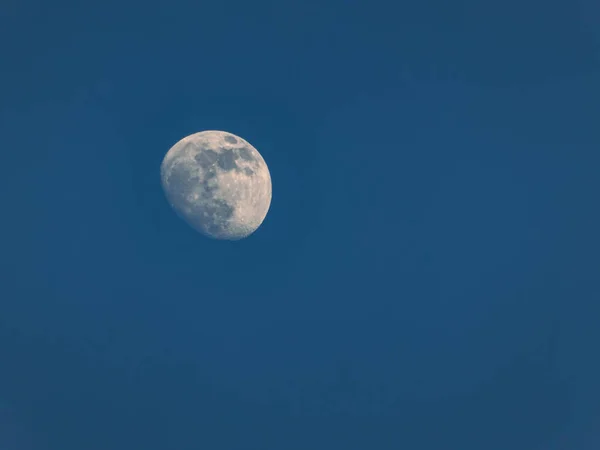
218 183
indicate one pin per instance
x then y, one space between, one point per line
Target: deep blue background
428 276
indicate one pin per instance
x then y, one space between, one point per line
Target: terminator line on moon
218 183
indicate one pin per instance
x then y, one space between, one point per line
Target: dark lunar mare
206 158
218 211
244 153
179 180
227 159
211 213
208 189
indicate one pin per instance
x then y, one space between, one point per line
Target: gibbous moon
218 183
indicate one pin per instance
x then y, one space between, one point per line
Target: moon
218 183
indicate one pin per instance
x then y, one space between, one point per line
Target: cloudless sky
427 278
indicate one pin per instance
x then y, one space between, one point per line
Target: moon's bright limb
218 183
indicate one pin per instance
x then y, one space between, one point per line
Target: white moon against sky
218 183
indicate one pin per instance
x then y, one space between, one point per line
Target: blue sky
426 278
